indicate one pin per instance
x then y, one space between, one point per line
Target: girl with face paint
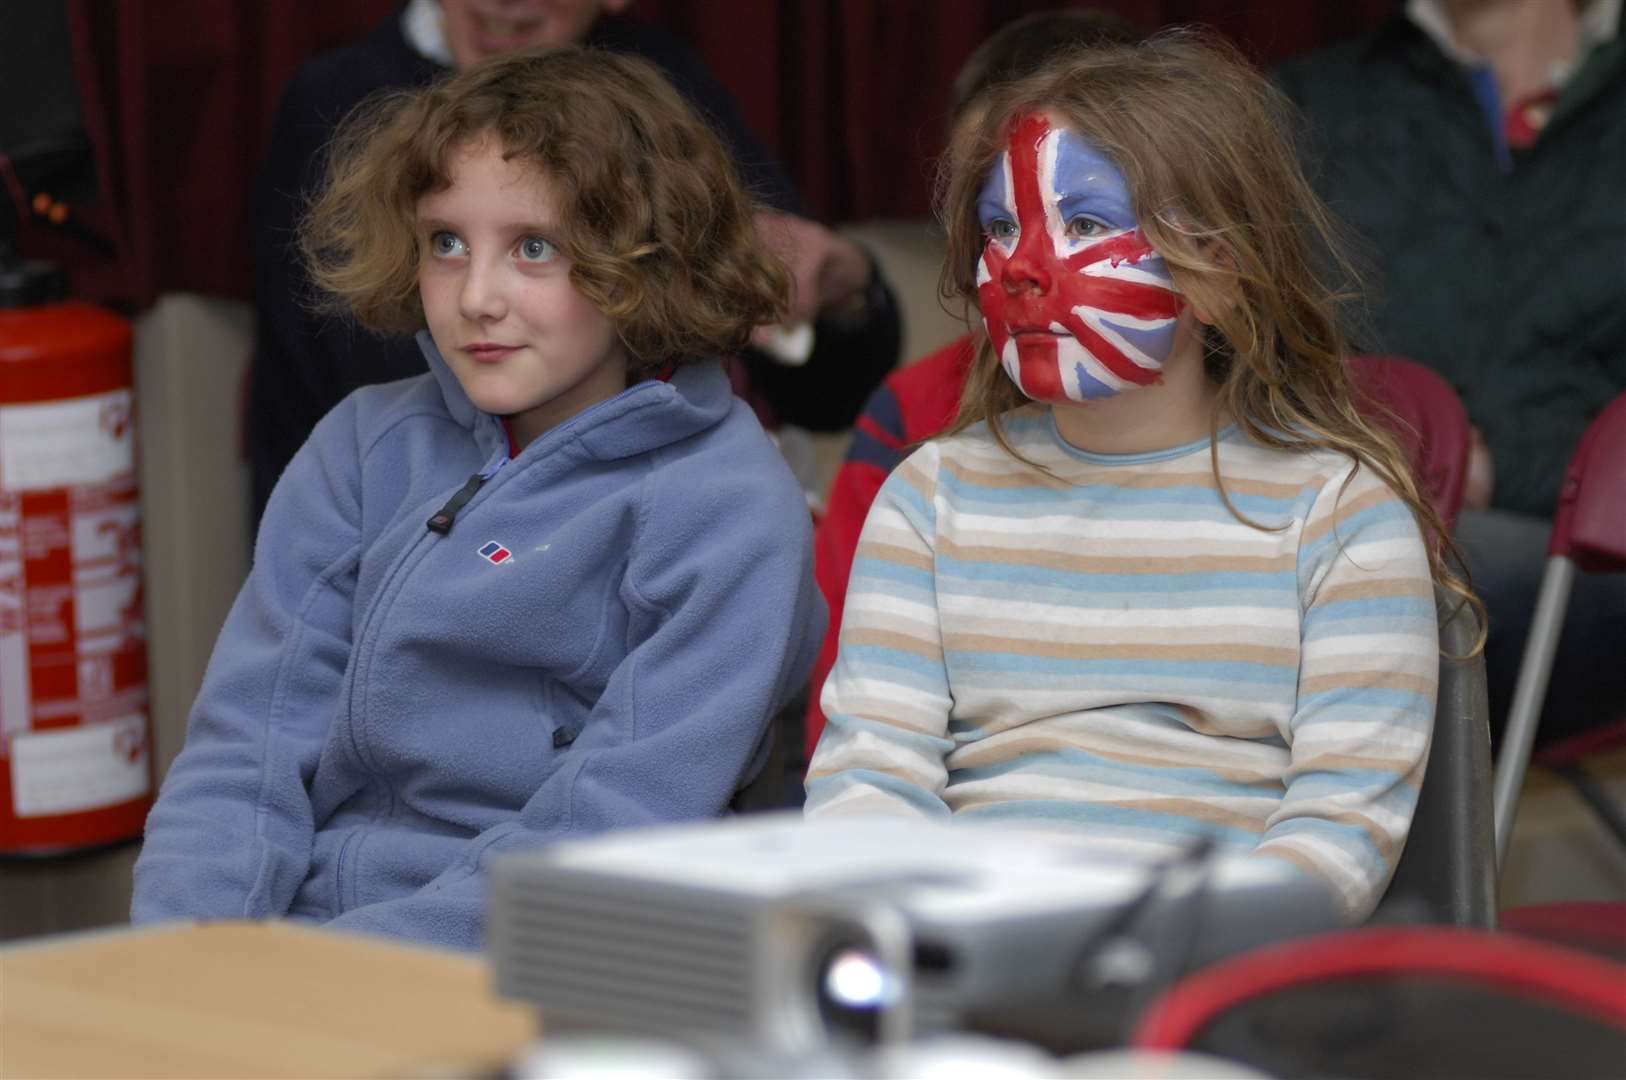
1159 580
1077 305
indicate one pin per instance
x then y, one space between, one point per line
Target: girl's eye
536 249
1000 229
446 245
1081 227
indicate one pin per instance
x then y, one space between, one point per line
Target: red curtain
179 97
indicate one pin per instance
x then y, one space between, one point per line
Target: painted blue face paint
1077 304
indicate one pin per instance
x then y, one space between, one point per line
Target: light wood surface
241 999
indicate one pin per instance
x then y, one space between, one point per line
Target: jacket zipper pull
442 521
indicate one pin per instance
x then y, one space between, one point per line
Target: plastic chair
1447 871
1589 533
1423 411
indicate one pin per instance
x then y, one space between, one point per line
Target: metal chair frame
1589 533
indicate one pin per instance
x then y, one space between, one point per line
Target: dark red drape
179 97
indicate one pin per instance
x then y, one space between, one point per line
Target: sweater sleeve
725 620
230 834
874 452
1369 661
887 702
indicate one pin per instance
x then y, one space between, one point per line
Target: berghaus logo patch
494 553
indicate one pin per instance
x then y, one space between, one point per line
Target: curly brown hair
1202 141
653 218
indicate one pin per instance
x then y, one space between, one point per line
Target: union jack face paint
1077 304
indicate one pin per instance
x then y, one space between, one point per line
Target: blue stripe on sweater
1166 672
1154 824
952 570
1083 765
921 672
824 788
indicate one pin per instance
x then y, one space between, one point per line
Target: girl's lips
489 354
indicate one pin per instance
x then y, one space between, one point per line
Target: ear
1224 291
1201 312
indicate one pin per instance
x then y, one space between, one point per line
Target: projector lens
854 989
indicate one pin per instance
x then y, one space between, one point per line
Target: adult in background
305 363
1478 148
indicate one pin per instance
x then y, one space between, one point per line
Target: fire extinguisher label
14 681
62 444
69 770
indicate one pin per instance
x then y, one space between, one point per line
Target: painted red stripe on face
1040 364
1115 296
1127 247
1033 258
1036 287
1110 356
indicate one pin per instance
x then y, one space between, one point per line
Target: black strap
442 521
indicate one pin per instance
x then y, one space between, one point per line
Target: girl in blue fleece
557 585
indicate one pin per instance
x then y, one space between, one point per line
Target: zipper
389 590
442 520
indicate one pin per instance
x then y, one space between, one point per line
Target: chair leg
1594 795
1525 713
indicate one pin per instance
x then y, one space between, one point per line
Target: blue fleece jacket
599 641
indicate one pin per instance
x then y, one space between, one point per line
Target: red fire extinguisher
75 745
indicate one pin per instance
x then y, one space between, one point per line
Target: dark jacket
1503 271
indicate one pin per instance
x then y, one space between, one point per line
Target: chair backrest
1447 872
1423 411
1589 525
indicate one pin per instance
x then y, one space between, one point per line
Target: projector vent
594 955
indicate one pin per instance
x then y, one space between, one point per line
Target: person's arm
857 336
1368 668
723 623
876 449
840 288
887 702
230 834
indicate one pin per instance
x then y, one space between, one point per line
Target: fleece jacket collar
644 417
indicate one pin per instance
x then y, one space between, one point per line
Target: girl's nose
481 299
1027 269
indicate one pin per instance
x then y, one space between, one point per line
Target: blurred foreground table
239 999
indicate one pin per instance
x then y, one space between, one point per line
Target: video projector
793 936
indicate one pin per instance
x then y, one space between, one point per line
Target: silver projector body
791 936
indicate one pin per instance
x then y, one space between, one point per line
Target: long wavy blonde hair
1202 142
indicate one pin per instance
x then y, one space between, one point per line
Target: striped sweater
1113 651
